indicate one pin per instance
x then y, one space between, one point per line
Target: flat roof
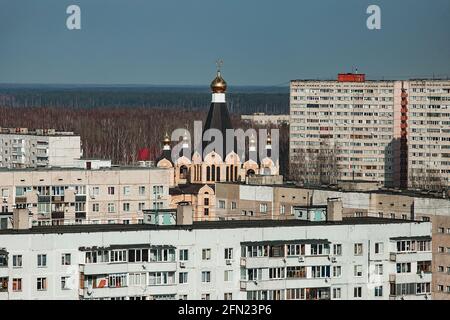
44 169
227 224
399 192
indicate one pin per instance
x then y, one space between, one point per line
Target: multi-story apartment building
391 132
428 133
238 201
364 258
77 195
21 148
265 119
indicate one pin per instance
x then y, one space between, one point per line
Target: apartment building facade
56 196
286 202
292 260
390 132
23 148
266 119
428 133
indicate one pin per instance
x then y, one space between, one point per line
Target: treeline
242 101
118 133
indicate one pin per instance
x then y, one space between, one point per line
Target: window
95 191
357 292
65 283
277 273
126 190
282 209
404 216
227 296
228 275
448 230
95 207
440 288
42 260
228 253
111 190
162 255
111 207
404 267
162 278
41 284
379 291
295 249
206 201
206 211
320 249
118 280
263 208
379 247
295 272
118 256
126 207
254 274
206 276
441 230
184 255
379 269
423 288
448 270
17 261
17 285
221 204
206 296
206 254
142 190
65 259
358 250
138 279
233 205
293 294
138 255
336 293
440 268
337 249
441 249
320 271
158 190
182 277
141 206
358 271
337 271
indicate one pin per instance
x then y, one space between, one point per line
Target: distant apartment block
22 148
55 196
264 119
391 132
365 258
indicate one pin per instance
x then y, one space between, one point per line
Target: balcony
80 198
44 199
57 215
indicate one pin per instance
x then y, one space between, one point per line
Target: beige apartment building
238 201
23 148
57 196
391 132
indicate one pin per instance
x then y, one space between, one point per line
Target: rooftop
229 224
45 169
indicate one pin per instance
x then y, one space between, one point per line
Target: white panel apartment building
373 130
75 195
21 148
428 132
354 120
365 258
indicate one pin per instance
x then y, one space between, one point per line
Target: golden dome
218 85
166 140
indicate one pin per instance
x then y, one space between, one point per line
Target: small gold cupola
218 85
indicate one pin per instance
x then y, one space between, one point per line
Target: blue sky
262 42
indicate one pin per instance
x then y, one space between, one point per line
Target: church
212 167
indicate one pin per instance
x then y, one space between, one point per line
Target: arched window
235 174
250 172
218 174
208 173
231 173
227 174
213 172
183 172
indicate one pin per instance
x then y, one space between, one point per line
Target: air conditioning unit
255 282
301 259
333 259
182 265
229 262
